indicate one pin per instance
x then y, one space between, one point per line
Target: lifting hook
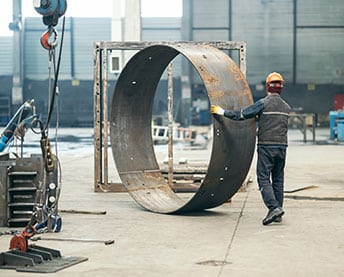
20 241
49 38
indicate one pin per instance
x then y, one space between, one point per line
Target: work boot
272 215
278 219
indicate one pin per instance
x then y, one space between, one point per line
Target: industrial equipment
233 142
337 125
131 115
37 259
30 186
30 190
51 10
20 121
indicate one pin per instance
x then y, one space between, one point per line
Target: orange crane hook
49 39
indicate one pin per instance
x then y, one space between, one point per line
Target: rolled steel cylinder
130 128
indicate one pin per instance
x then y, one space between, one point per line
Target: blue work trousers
270 174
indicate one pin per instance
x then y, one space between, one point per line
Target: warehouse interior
113 162
304 44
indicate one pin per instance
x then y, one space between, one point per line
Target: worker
272 114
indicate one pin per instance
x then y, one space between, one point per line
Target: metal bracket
37 259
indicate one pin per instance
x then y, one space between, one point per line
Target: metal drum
130 128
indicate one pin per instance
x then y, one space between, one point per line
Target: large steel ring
130 131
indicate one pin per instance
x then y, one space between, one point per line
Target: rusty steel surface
130 128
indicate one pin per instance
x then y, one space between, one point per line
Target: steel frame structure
101 109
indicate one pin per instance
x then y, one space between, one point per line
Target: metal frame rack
102 51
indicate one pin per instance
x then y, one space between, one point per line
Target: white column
132 24
116 62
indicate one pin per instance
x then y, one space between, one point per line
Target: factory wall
164 29
210 20
75 100
6 56
302 39
77 53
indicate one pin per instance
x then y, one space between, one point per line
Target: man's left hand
215 109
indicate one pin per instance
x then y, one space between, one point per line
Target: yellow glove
217 110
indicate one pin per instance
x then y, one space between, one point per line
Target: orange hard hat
274 77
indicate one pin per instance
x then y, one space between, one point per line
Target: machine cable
46 208
51 219
45 192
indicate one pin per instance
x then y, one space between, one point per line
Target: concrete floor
229 240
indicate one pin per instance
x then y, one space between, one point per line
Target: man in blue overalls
272 114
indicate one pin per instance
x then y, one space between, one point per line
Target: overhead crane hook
49 38
51 10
